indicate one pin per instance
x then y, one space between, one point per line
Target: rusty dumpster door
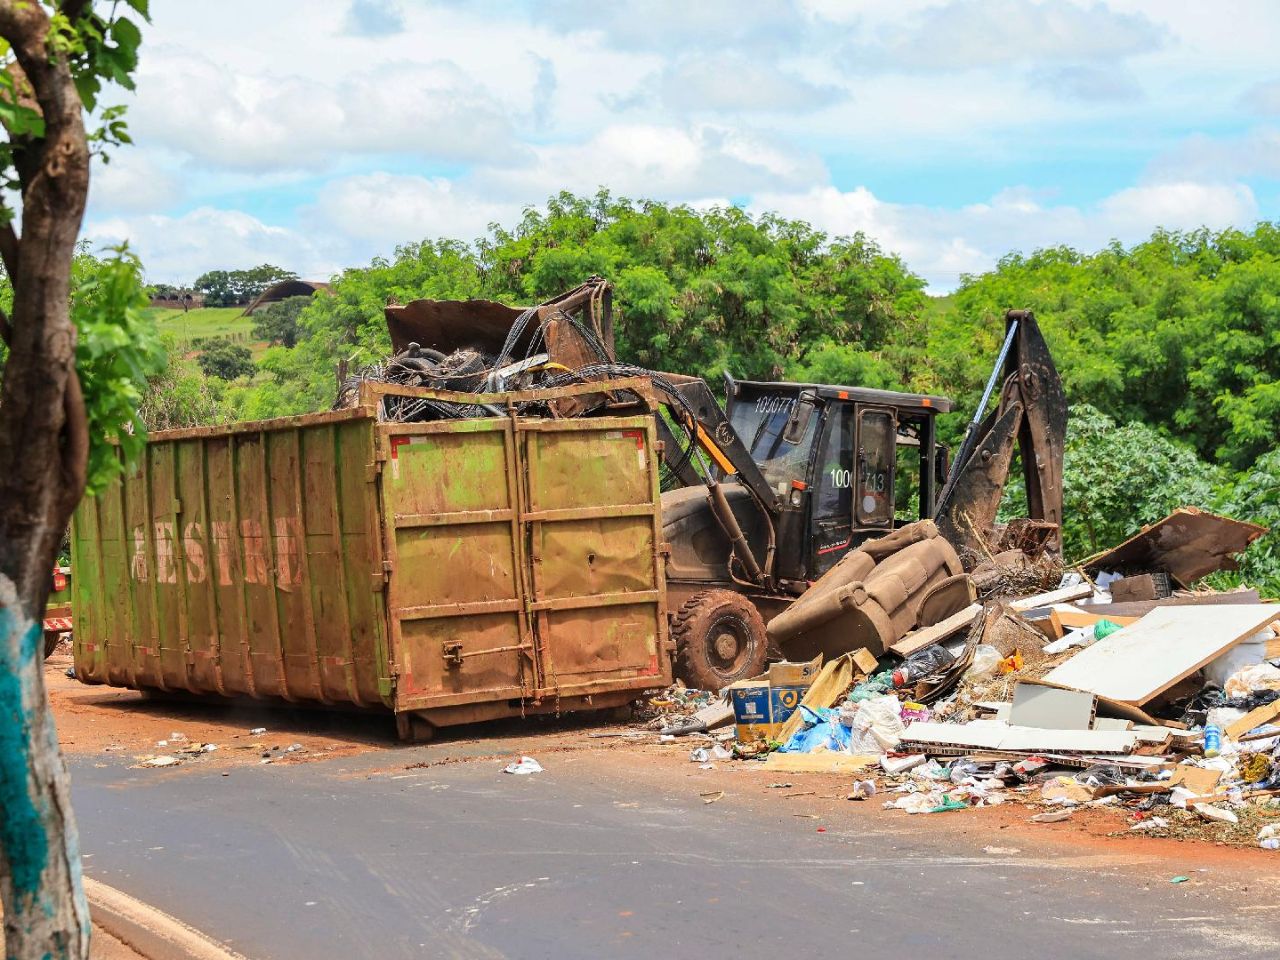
459 630
523 563
596 587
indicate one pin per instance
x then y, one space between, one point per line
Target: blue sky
318 135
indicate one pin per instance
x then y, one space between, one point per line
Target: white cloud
132 181
681 24
941 243
389 209
1263 98
966 34
670 162
259 120
735 83
177 249
1253 154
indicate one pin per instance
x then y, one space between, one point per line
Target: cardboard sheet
1137 663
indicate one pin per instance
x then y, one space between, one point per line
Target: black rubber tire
51 638
703 660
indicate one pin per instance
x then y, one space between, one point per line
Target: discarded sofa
875 595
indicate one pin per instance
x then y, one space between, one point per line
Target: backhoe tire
720 639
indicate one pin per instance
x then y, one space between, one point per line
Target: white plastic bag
877 726
1249 651
985 660
525 765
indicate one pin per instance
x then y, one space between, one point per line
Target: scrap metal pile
1126 688
482 347
486 349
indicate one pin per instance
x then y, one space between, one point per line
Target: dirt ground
105 721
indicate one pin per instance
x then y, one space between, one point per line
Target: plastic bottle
1271 843
1212 740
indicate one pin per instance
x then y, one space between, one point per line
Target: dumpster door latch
453 655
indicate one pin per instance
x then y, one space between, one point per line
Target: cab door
832 484
876 461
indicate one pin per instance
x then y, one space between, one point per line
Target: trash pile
1124 687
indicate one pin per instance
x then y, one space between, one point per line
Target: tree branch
9 249
75 9
75 448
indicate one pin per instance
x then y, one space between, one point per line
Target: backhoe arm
1032 413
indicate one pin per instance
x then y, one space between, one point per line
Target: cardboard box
787 674
783 701
751 710
760 708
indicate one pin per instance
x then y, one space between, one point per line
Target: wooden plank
1079 618
1188 543
1254 718
1137 663
1199 780
1065 595
1140 608
927 636
824 761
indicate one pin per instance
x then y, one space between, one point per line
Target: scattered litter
1054 816
523 765
160 762
1150 825
257 731
711 797
703 754
1179 879
1001 851
863 790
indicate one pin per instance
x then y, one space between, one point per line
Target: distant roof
283 291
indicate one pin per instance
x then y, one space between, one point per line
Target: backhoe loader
790 477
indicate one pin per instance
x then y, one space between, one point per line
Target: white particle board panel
1018 739
1140 661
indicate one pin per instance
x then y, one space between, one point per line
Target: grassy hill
190 328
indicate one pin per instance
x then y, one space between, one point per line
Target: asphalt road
352 858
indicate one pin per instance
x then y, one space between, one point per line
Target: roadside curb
151 932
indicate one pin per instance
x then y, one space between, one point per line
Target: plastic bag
985 661
1250 651
524 765
876 686
1269 837
1256 676
822 730
877 726
1104 628
924 663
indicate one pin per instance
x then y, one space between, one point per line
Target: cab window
877 446
834 480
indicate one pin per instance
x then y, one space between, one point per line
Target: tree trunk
43 456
